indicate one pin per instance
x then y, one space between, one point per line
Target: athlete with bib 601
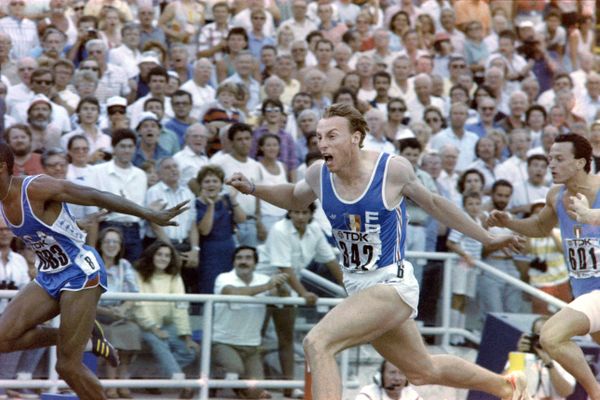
363 195
567 204
71 275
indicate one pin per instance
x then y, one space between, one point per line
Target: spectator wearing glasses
396 119
434 119
22 31
116 108
181 101
487 111
54 162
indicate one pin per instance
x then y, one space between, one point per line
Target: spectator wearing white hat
147 61
45 134
148 128
116 108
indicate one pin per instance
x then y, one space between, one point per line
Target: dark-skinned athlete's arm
65 191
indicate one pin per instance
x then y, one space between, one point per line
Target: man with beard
496 295
53 45
19 140
42 82
44 132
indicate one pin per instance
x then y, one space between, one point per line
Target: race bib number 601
360 251
584 256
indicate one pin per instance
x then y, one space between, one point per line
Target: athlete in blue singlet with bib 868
567 204
71 276
363 195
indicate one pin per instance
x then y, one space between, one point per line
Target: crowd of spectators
161 101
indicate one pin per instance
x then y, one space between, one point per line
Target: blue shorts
73 278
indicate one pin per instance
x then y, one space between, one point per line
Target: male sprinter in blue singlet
71 275
363 195
567 204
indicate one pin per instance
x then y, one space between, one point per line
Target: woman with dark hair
237 40
273 173
434 118
471 180
117 317
396 118
216 216
399 25
88 113
166 326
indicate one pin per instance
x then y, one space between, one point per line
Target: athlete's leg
360 318
556 340
20 327
403 346
77 312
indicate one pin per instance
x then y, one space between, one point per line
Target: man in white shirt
242 18
169 192
532 189
375 139
21 92
193 156
112 79
401 86
301 26
202 93
457 135
119 176
22 31
238 160
416 104
127 55
514 169
448 178
589 103
244 66
157 82
237 326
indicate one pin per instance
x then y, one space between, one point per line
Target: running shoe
102 347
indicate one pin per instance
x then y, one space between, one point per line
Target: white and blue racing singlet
58 246
368 233
581 247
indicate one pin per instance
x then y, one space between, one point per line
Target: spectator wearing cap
45 134
193 155
148 128
63 71
88 113
182 107
116 108
127 55
157 82
457 135
113 80
147 29
22 31
199 87
120 177
42 81
147 61
168 139
19 139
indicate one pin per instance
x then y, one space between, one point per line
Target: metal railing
204 382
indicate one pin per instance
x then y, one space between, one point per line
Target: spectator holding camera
552 381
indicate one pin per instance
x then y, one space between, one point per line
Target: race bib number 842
360 251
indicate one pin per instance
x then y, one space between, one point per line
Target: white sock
88 345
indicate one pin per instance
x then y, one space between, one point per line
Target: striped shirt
470 246
23 35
